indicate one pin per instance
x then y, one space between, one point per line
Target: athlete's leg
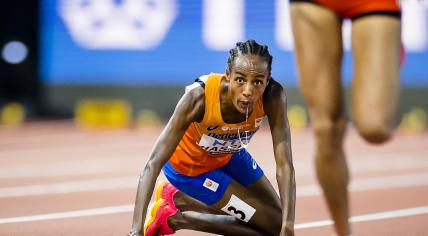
375 88
318 45
239 189
209 189
210 223
195 215
266 192
165 208
250 206
262 187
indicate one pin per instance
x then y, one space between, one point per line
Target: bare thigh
318 44
375 88
251 204
265 190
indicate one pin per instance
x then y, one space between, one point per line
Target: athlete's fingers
132 233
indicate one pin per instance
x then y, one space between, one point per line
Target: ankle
176 221
179 201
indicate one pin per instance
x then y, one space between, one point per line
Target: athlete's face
248 76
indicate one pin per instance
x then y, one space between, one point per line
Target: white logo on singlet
240 127
218 146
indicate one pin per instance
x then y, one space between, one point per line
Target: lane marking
373 183
63 168
129 208
91 166
369 217
70 187
365 184
70 214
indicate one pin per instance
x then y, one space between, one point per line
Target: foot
156 220
166 191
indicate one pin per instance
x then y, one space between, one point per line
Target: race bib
217 146
239 209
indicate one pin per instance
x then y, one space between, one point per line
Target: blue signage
171 42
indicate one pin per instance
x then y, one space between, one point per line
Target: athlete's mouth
244 105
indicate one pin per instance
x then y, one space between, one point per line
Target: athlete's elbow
143 174
287 170
280 173
150 168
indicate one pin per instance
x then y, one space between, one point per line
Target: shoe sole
159 190
152 213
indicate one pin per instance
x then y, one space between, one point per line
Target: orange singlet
210 144
356 8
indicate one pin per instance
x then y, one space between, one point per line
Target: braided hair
249 47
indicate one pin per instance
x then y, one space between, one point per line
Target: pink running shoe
157 219
166 191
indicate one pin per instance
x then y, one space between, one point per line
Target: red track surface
50 168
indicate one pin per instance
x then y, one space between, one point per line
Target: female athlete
215 185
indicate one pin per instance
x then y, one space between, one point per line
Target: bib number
239 209
237 213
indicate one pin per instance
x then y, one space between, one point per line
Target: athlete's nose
247 90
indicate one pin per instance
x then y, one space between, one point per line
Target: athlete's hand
134 233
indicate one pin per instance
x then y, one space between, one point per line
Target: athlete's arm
275 106
190 108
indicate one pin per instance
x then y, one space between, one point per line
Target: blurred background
124 63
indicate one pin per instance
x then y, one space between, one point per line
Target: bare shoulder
275 107
193 103
274 94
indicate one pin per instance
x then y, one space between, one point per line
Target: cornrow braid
249 47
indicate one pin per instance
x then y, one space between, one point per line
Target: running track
58 180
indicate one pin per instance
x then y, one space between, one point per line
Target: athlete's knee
273 230
250 209
375 134
272 219
329 133
270 222
276 228
374 130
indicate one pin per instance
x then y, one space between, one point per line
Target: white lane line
70 187
373 183
369 217
365 184
63 168
67 165
128 208
70 214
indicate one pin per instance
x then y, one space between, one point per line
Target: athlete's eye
240 80
258 82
